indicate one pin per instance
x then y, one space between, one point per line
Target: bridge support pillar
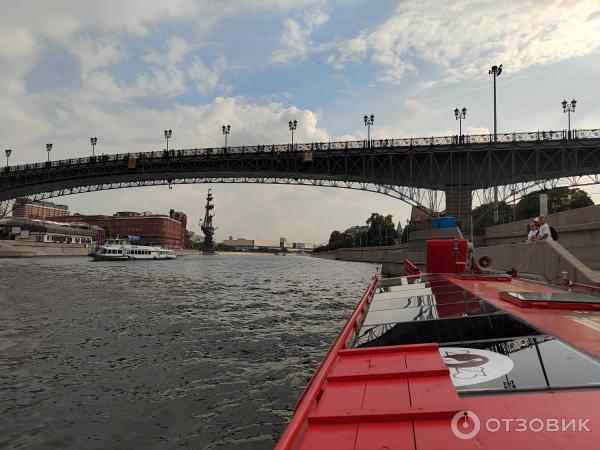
459 202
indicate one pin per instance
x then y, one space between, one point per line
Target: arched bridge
403 168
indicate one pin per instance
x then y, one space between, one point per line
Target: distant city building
181 217
241 243
357 229
21 229
166 231
399 233
36 209
244 244
358 234
419 219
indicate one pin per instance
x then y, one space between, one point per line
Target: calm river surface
201 352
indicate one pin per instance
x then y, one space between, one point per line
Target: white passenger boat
124 250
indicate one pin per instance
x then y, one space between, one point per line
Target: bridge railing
336 145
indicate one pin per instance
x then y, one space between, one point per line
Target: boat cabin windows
485 348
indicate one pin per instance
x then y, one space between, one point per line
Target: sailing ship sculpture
207 227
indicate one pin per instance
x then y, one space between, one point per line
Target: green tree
559 199
483 216
382 230
339 240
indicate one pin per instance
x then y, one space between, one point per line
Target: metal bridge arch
424 172
426 200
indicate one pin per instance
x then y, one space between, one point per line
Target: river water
201 352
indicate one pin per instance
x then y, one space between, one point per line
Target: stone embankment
545 261
578 232
26 249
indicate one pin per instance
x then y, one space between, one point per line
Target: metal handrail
421 142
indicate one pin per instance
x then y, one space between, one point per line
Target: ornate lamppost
93 141
226 130
495 71
460 116
369 120
292 126
568 108
168 134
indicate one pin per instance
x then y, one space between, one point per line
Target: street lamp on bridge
460 115
93 141
168 134
292 126
48 149
569 108
8 151
369 120
495 71
226 130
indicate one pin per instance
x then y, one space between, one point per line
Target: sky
125 71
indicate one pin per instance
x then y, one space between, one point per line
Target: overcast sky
124 71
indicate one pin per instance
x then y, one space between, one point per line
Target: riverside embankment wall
578 232
25 249
544 260
390 258
362 254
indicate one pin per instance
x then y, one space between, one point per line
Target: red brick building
35 209
166 231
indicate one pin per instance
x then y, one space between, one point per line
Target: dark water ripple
201 352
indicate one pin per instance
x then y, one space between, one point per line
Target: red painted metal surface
506 296
591 287
446 256
401 397
567 324
373 395
410 268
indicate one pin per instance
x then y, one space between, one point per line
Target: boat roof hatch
559 300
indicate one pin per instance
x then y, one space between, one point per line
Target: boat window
485 348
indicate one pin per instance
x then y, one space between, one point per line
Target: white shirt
545 230
533 232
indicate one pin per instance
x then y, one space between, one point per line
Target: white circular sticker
473 366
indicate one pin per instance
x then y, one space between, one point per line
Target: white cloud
295 37
99 53
207 80
177 49
167 82
465 37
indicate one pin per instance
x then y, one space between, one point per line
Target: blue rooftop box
442 222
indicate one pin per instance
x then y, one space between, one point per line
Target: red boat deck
375 395
581 328
402 397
